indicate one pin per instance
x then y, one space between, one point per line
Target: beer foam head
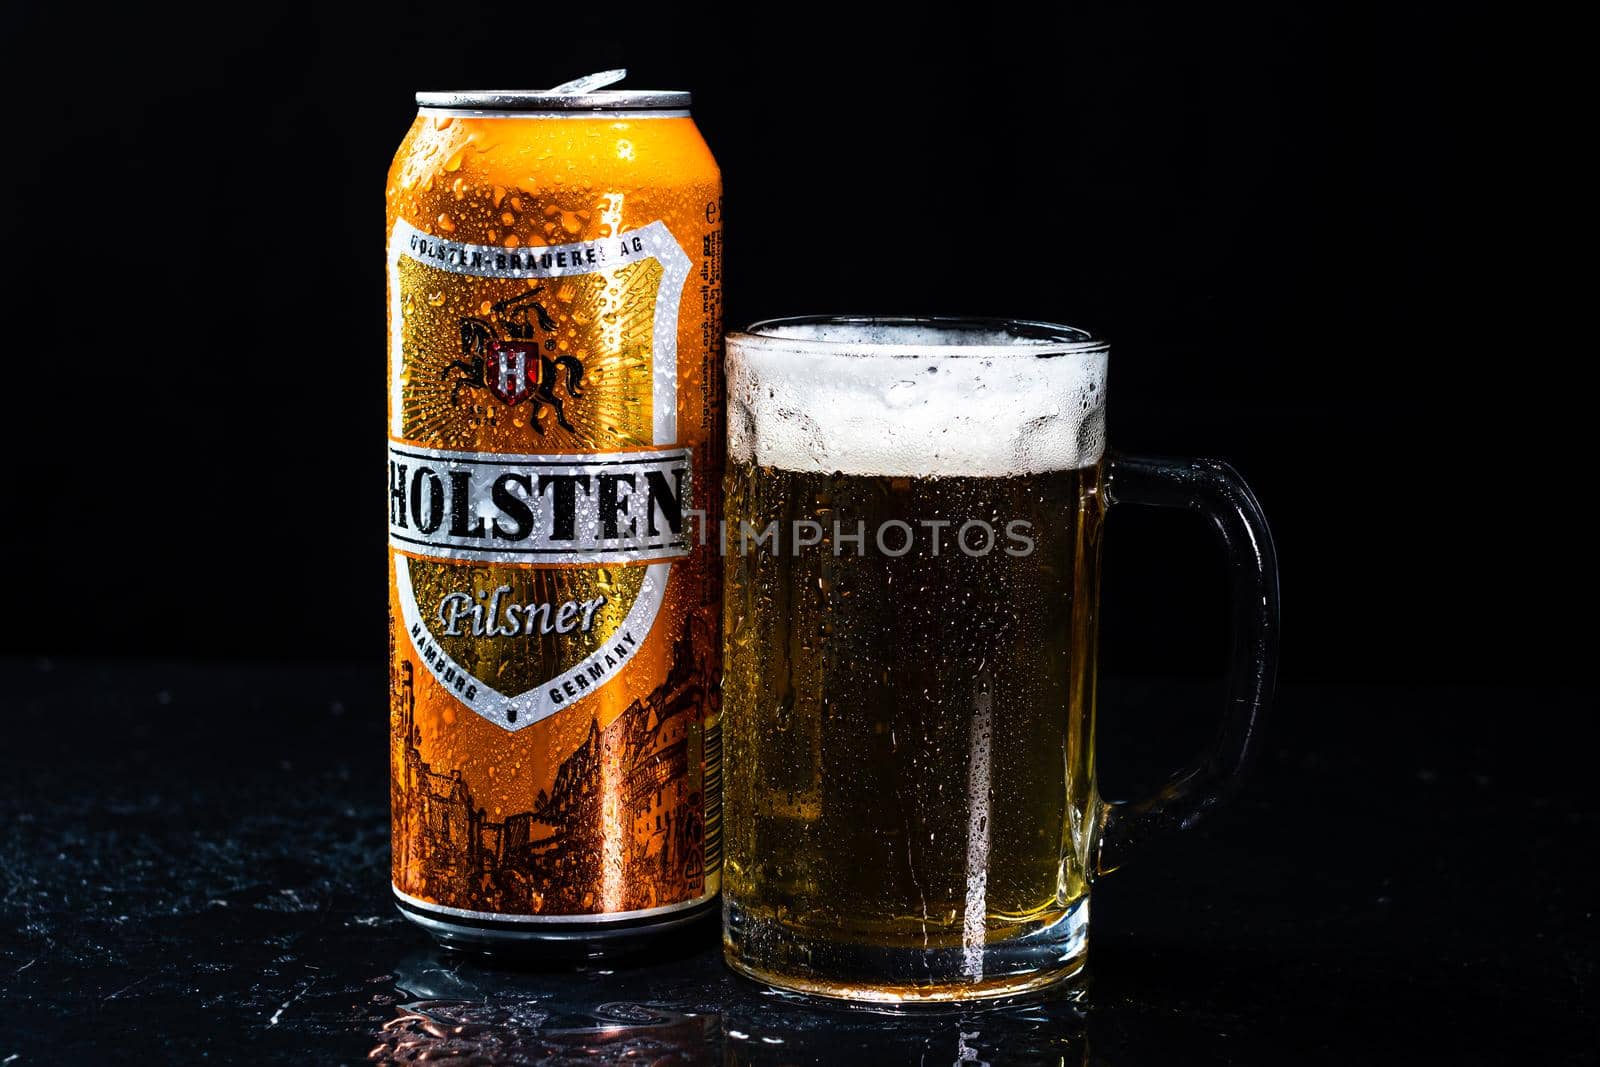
917 398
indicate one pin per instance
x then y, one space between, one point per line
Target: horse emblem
515 369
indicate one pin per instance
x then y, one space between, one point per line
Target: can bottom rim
457 930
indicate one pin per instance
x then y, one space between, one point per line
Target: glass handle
1214 489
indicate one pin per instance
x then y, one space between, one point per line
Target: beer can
555 456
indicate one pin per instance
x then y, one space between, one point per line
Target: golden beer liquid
909 736
607 807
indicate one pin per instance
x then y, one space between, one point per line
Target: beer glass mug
913 527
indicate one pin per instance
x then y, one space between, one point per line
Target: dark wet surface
194 866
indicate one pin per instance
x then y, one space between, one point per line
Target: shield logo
512 370
519 617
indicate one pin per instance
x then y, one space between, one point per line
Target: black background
1326 241
1292 221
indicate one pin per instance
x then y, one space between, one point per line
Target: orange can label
554 453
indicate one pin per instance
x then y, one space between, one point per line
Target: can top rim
545 100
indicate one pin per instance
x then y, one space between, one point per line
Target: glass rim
1032 337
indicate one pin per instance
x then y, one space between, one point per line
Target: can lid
557 100
572 96
588 93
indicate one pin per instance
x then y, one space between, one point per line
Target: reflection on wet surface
201 875
448 1031
689 1010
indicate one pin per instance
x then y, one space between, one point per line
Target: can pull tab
590 82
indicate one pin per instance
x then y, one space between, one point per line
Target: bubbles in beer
906 730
